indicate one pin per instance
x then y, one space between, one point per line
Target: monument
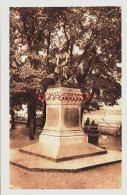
62 139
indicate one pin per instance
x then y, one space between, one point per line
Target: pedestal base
34 163
61 148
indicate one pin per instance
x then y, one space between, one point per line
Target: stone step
34 163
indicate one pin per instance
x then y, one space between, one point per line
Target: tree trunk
44 115
28 122
31 129
48 45
28 119
88 102
12 119
31 122
32 116
71 54
34 112
82 111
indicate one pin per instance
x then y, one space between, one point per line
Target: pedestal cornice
64 95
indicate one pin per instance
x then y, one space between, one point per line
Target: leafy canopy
91 36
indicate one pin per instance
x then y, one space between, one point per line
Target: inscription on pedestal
53 117
71 117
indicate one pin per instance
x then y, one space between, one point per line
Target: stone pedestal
63 112
62 137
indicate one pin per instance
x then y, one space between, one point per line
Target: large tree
91 36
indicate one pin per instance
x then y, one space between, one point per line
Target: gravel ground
105 177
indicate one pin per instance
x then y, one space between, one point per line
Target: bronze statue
62 64
62 72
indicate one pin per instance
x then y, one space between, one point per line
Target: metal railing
111 128
105 127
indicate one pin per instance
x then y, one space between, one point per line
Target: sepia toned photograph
65 126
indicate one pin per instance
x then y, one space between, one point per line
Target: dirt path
105 177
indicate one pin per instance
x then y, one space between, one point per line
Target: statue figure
61 69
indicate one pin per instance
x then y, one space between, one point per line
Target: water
100 118
108 121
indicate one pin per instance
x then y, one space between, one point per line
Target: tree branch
48 45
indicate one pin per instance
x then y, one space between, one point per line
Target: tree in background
91 36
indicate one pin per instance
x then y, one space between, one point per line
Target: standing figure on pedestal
60 72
